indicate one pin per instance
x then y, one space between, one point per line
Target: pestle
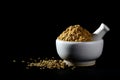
100 32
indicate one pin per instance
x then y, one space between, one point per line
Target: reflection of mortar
81 53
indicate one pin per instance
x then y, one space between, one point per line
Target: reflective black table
18 70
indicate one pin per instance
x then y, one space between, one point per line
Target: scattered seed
23 61
14 60
48 64
27 67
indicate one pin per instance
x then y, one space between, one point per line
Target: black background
31 32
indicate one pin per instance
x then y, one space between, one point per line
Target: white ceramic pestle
100 32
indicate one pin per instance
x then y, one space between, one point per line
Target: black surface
18 71
33 34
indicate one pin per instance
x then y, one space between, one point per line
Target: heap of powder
49 64
75 33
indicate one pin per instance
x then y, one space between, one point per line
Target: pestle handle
100 32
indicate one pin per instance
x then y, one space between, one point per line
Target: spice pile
75 33
49 64
45 63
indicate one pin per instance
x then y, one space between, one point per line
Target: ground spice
46 63
75 33
49 64
14 61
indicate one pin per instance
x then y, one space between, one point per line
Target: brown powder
75 33
45 63
49 64
14 60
